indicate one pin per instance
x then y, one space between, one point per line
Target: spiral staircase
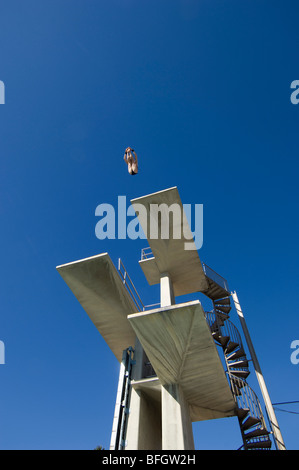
255 434
253 428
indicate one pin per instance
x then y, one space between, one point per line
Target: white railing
146 253
127 281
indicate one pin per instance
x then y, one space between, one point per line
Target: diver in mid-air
130 158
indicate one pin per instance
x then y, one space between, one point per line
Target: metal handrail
130 286
146 253
211 274
147 307
225 328
247 398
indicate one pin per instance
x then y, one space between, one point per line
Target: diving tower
171 372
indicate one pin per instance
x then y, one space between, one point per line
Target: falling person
130 158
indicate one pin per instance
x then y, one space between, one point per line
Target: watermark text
295 353
2 353
2 92
159 221
295 94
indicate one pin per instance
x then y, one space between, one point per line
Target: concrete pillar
144 424
166 291
177 433
132 436
144 421
133 429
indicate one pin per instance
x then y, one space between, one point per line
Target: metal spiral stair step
215 327
213 291
242 413
240 373
223 301
221 317
231 347
236 354
266 444
223 340
223 309
250 422
236 364
257 433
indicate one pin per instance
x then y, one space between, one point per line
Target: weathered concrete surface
98 287
179 344
170 254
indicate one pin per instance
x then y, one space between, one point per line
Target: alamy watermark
295 94
2 101
295 353
159 221
2 92
2 353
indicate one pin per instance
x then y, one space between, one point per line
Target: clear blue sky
201 90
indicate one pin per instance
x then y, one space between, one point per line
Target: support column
177 433
144 420
135 402
274 424
166 291
133 428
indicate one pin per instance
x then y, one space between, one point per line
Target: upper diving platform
169 253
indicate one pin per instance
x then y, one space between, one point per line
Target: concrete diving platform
96 284
180 347
171 242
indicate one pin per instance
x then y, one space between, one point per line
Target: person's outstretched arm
135 155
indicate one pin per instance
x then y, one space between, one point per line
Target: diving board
180 347
98 287
169 255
